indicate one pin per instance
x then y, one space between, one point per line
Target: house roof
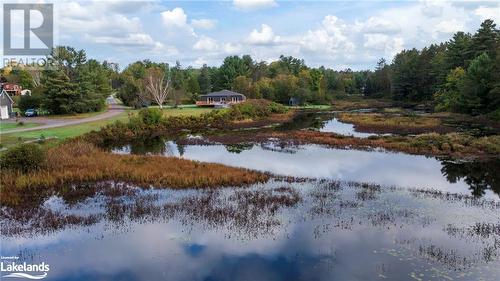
223 93
5 98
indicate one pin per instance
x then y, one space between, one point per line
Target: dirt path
113 110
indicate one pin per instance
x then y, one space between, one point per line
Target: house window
210 100
223 100
233 99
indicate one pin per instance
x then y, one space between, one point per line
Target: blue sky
336 34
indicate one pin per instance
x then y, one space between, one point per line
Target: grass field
10 126
65 132
313 106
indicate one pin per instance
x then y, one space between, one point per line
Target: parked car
30 113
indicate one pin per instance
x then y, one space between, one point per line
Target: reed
390 123
453 144
81 162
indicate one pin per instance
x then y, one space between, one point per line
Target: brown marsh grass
454 144
360 104
388 123
81 162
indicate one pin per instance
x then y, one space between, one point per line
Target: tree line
460 75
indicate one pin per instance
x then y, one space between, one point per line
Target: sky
335 34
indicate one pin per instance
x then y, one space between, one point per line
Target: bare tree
35 76
157 85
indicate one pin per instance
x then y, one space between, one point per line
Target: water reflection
346 129
309 230
314 161
324 122
480 176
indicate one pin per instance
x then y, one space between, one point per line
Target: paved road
113 110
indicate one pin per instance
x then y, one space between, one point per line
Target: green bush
277 108
256 108
151 116
23 157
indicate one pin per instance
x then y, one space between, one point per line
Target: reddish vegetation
397 124
79 162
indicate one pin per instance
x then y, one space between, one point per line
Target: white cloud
102 23
203 23
488 13
329 39
431 8
450 26
231 48
199 62
384 45
263 37
176 20
378 25
252 5
206 44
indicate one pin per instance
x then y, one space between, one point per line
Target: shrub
23 157
151 116
277 108
256 108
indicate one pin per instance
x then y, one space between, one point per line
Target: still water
315 161
335 126
308 230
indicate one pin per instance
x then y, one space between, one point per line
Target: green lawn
62 133
9 126
313 106
186 110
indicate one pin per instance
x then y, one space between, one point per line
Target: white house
6 103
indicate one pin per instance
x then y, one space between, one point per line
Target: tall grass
389 123
82 162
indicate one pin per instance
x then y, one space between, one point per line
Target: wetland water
309 230
418 218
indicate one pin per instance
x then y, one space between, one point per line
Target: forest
461 75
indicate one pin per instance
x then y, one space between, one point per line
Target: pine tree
485 39
60 94
204 80
477 84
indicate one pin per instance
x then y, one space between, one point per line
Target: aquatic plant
82 162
